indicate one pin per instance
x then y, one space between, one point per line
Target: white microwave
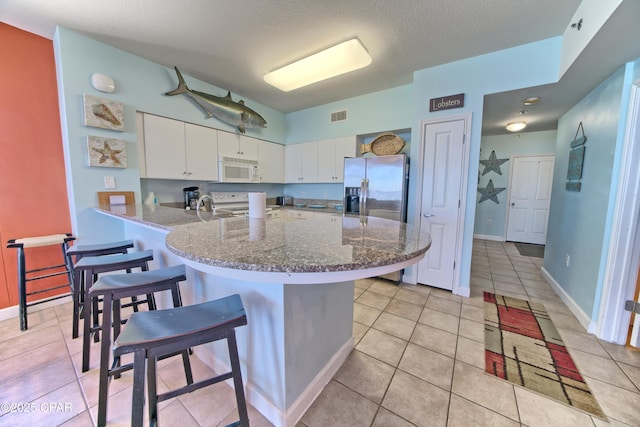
232 169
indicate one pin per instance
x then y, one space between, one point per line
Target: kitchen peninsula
296 279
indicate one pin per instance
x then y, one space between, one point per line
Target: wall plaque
446 102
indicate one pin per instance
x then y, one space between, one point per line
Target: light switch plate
109 182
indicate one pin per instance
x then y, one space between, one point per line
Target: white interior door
443 172
529 199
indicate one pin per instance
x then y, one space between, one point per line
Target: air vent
339 116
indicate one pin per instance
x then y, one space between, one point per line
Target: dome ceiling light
531 100
516 126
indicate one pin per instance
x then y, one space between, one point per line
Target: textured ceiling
232 44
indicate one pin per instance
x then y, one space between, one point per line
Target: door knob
513 204
427 215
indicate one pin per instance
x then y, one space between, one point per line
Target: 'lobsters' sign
446 102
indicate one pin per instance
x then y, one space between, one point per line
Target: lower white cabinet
178 150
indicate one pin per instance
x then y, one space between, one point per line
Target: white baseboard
582 317
14 311
291 416
313 390
463 292
488 237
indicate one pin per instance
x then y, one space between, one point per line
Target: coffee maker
191 196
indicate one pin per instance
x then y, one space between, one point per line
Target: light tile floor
418 361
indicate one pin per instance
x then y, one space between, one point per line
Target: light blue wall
578 221
376 112
140 85
505 146
523 66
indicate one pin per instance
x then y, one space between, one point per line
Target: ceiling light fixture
532 100
339 59
516 126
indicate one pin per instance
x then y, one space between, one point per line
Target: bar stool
91 266
150 335
112 288
25 275
76 253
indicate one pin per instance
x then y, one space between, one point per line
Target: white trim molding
621 269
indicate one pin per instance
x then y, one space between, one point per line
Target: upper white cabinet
318 161
178 150
238 146
201 150
271 162
331 154
301 163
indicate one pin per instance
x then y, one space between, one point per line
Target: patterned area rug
523 346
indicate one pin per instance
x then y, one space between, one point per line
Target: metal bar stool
91 266
76 253
150 335
112 288
25 275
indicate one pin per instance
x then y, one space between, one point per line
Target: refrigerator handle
364 193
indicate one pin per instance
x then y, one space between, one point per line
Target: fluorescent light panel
339 59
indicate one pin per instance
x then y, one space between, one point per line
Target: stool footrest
195 386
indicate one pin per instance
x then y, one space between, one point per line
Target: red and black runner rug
524 347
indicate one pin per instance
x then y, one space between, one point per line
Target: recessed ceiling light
516 126
531 100
339 59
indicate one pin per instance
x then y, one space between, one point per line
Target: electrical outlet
567 258
109 182
489 222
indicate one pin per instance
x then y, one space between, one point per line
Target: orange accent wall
33 194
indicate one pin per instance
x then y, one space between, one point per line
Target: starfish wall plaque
490 192
107 152
492 164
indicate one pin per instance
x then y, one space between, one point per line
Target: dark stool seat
150 335
24 275
91 266
79 251
112 288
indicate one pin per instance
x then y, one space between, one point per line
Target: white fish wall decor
223 108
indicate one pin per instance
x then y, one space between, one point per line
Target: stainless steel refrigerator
377 186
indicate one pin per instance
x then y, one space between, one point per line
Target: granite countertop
325 242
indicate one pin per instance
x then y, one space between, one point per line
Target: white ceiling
232 44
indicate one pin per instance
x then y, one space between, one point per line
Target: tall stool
25 275
91 266
150 335
112 288
76 253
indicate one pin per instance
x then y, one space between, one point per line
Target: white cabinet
178 150
318 161
237 146
201 148
331 154
271 158
301 163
